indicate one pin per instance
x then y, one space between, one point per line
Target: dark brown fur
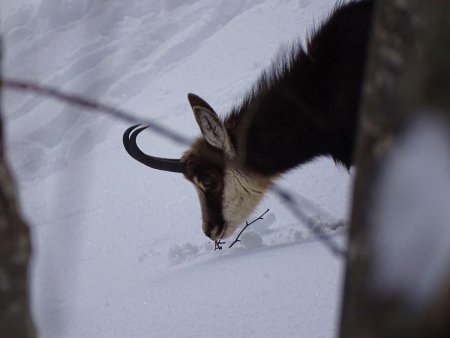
307 104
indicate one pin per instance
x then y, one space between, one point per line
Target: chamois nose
212 231
208 232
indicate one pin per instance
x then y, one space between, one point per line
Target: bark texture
408 73
15 318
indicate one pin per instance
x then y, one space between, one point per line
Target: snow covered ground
118 248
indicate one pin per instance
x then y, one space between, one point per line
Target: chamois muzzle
166 164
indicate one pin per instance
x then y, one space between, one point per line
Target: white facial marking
241 194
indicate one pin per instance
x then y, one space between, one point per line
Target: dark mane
280 67
270 78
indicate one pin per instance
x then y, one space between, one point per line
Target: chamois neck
274 128
306 105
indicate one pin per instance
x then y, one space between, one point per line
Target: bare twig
246 226
81 101
300 215
218 244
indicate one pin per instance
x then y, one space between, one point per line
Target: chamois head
227 193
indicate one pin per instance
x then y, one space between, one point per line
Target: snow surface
118 248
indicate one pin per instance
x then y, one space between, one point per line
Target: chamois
303 107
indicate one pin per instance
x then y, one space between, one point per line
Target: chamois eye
209 181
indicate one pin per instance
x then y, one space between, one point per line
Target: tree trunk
408 73
15 319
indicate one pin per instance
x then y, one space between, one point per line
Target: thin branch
218 244
81 101
300 215
246 226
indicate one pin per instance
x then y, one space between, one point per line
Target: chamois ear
213 130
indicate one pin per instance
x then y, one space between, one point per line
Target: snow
410 216
118 248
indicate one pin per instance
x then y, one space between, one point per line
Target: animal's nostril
212 231
208 232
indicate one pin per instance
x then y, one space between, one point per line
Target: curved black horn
129 142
